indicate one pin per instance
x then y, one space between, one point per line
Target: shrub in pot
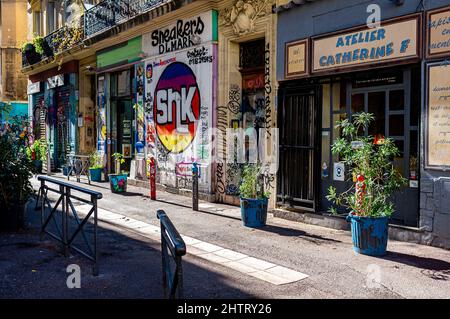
15 172
37 153
96 167
42 46
31 55
118 181
253 200
373 181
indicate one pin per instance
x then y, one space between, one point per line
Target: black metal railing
171 242
62 222
60 40
109 13
66 37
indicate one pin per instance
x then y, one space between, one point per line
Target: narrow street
130 260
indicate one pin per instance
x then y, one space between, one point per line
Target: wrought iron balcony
56 42
66 37
109 13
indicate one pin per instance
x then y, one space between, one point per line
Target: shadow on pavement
190 206
130 267
418 262
289 232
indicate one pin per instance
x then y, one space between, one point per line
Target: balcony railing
97 19
66 37
56 42
109 13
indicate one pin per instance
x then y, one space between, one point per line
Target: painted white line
254 267
229 254
207 247
256 263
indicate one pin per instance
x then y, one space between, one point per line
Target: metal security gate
297 176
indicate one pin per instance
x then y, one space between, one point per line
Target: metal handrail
98 195
171 241
65 207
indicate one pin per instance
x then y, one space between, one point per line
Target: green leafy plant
38 42
37 151
96 161
25 44
118 157
369 160
252 183
15 167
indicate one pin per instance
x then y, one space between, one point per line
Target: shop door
297 174
122 132
391 107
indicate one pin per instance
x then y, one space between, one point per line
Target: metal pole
163 260
180 277
41 235
95 269
195 186
65 217
152 179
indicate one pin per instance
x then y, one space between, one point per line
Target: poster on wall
438 116
438 32
179 90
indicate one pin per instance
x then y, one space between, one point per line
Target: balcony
57 42
109 13
92 26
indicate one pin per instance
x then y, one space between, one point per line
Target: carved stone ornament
243 14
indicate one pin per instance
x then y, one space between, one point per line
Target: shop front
116 99
180 86
247 92
54 101
330 76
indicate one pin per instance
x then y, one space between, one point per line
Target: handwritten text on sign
439 32
439 116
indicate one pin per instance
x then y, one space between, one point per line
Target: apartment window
37 23
52 17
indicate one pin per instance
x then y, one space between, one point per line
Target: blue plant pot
95 174
118 183
369 235
254 212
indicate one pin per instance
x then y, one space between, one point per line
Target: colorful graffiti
176 107
179 99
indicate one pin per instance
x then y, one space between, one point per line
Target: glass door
391 106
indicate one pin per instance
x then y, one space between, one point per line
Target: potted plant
96 167
253 200
15 173
37 153
31 55
42 46
118 181
373 180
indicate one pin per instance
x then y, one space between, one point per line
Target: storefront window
396 125
326 105
357 103
377 106
397 100
339 96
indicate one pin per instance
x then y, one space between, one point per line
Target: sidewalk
130 262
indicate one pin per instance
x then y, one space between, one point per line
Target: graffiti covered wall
179 111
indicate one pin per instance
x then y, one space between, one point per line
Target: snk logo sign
176 107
